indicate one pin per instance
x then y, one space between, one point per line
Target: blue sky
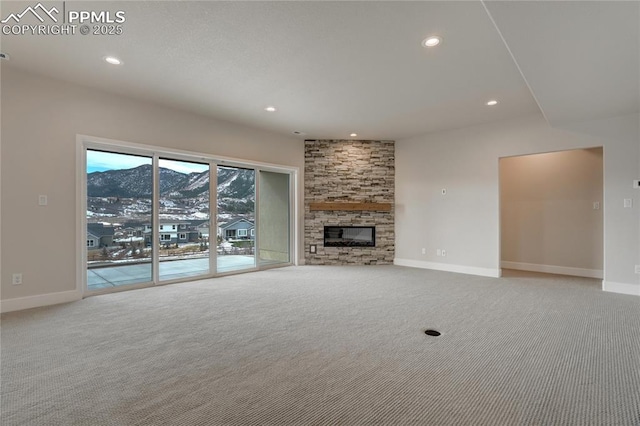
183 166
98 161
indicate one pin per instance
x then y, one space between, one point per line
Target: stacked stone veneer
349 171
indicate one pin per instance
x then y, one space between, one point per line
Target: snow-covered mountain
236 187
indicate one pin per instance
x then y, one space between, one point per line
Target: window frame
87 142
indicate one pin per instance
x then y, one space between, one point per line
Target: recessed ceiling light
113 60
270 108
492 102
431 41
353 135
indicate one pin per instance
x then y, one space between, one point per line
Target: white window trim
241 232
86 142
182 236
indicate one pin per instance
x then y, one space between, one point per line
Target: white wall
40 120
466 222
547 218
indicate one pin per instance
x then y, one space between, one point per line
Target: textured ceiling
333 68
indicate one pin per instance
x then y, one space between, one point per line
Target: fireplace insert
349 236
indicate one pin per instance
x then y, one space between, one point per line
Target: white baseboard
552 269
624 288
448 267
20 303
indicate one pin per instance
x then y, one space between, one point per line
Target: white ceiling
332 68
580 58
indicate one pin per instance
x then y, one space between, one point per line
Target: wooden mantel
342 206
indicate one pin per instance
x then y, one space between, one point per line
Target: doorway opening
551 212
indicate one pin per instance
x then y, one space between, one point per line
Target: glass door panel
273 218
118 208
184 219
236 219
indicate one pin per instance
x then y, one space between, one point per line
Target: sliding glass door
236 219
183 219
119 191
148 217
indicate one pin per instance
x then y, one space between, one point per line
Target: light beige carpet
329 345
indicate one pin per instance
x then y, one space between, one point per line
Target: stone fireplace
349 196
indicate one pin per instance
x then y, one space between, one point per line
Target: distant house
131 232
173 232
93 241
99 235
241 229
203 230
128 236
127 232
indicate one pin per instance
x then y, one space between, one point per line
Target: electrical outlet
424 250
313 248
438 252
596 205
444 253
42 200
637 269
628 203
16 279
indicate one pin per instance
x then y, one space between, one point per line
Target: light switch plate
42 200
628 203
